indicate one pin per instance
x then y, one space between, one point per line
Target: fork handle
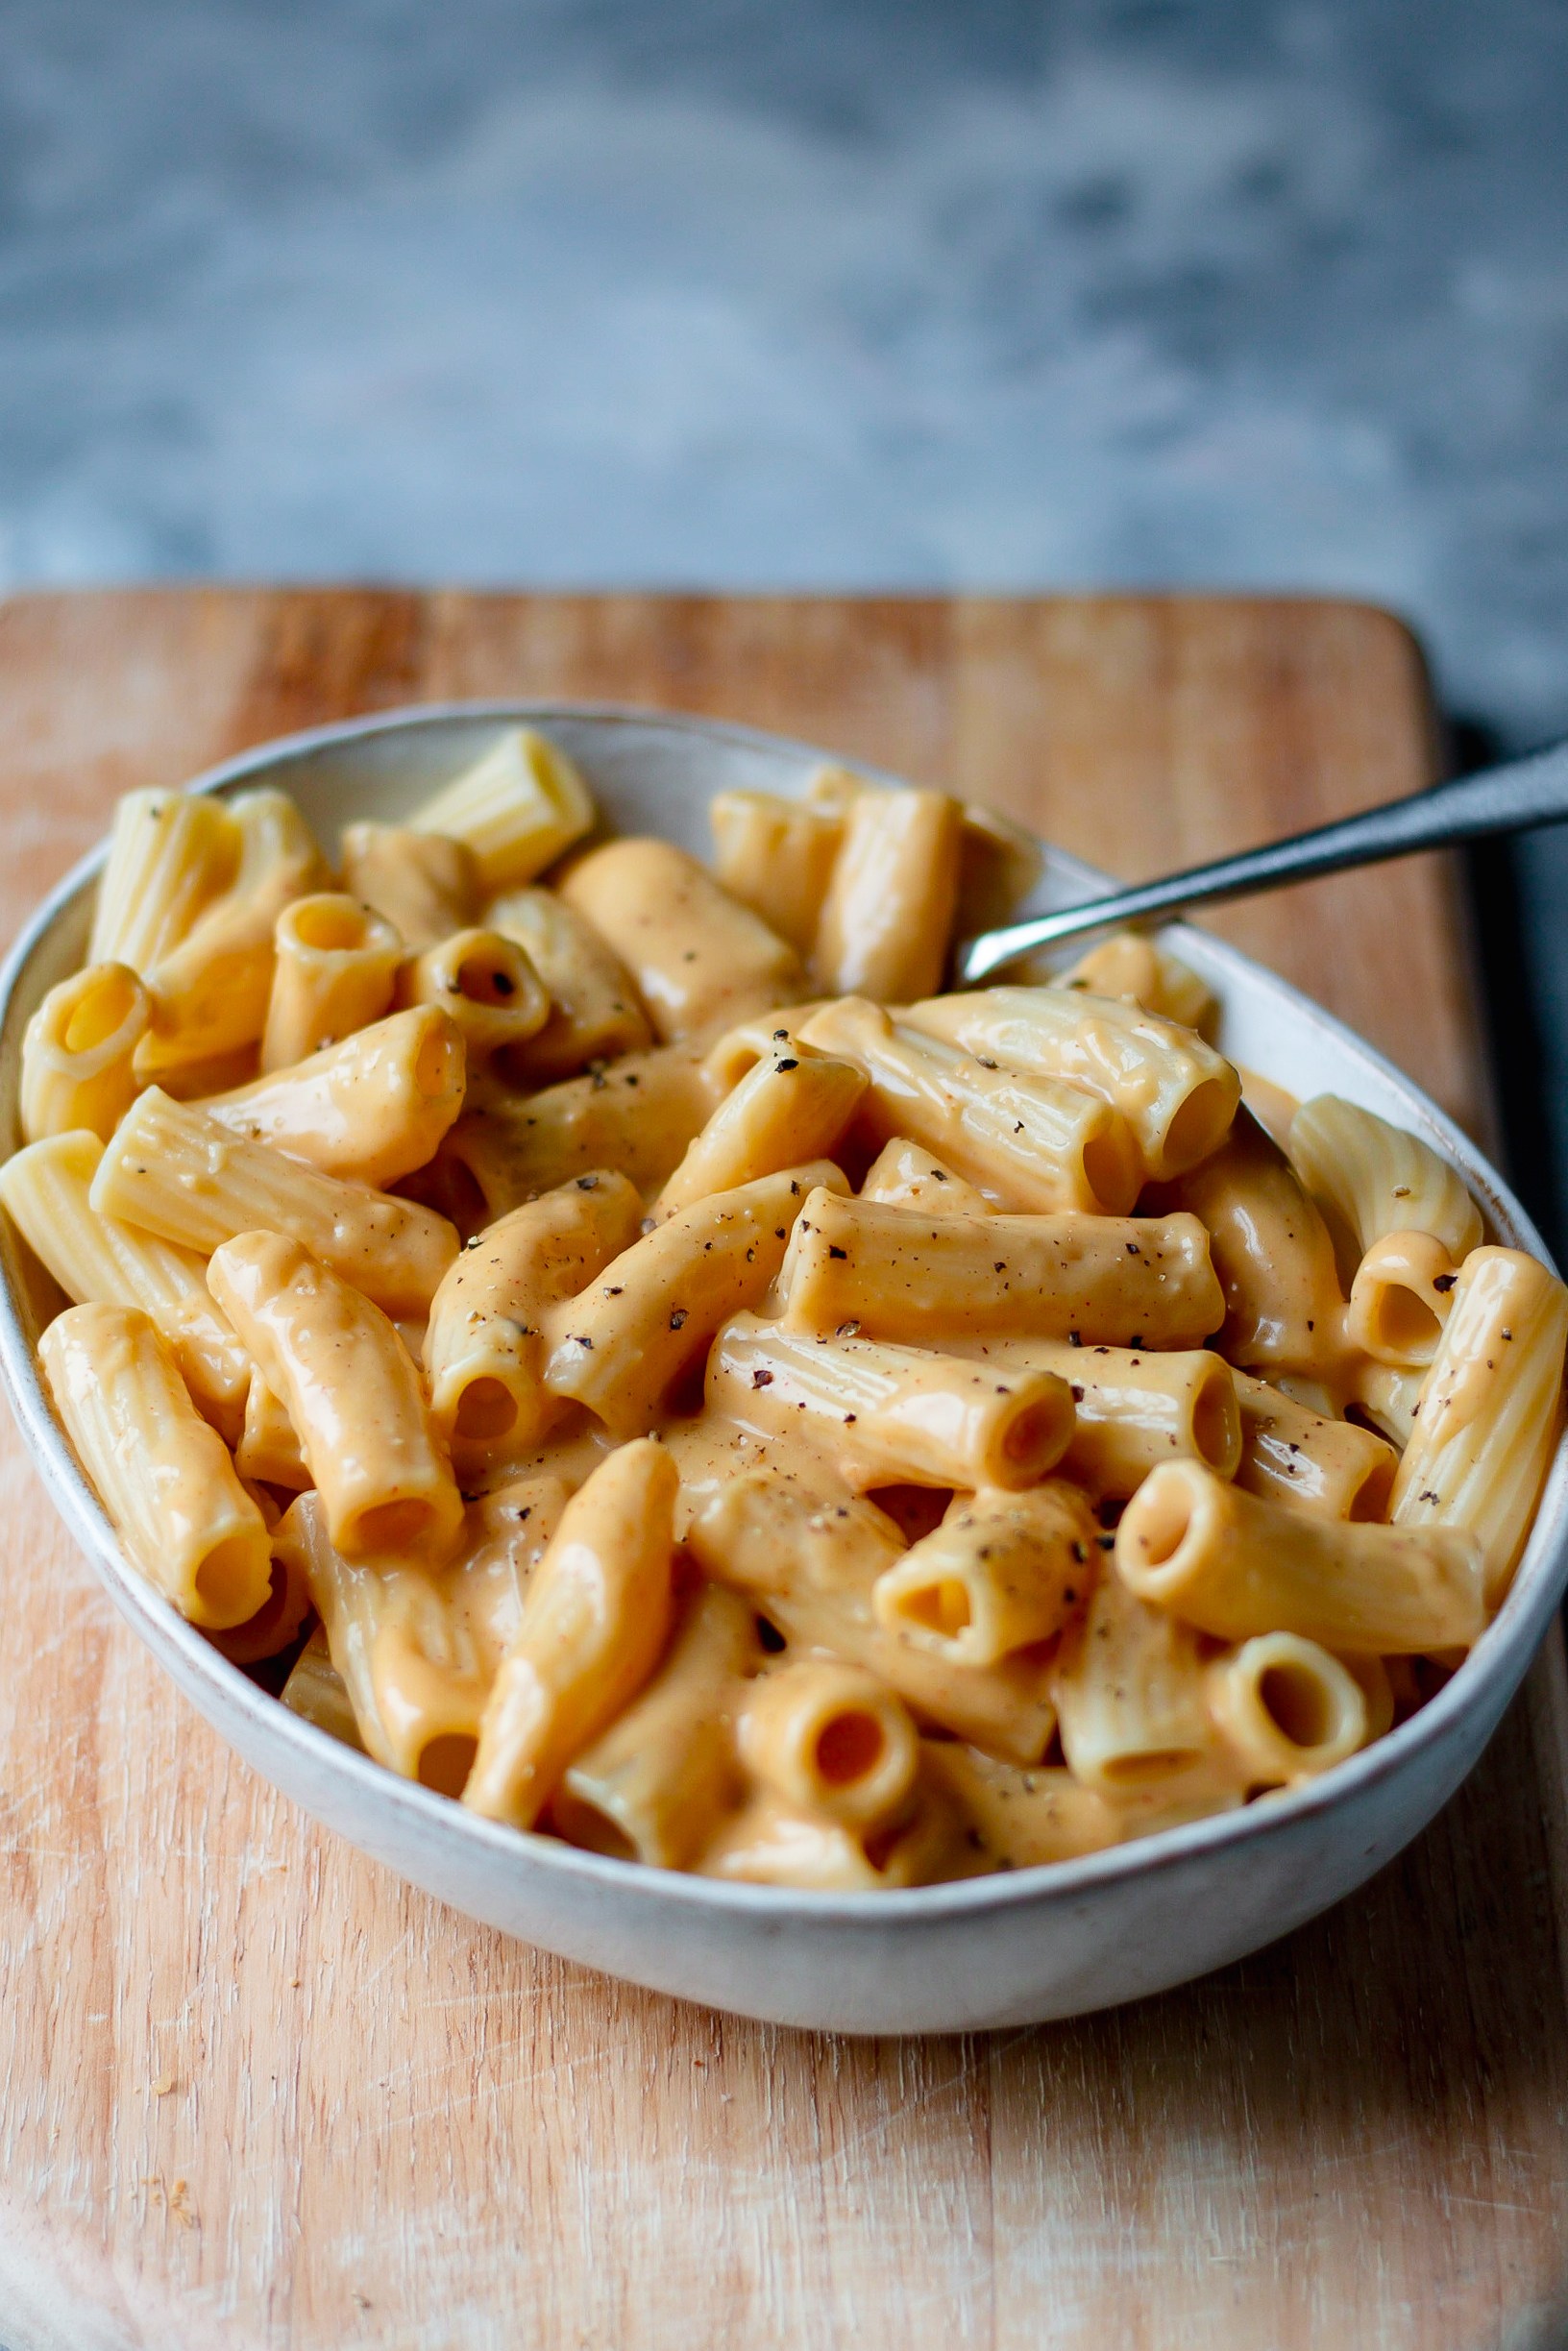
1503 799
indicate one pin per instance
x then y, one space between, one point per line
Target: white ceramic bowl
999 1951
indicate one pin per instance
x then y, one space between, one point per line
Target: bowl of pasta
874 1508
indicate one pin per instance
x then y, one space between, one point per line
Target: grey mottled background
834 293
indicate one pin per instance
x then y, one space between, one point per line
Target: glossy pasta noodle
613 1341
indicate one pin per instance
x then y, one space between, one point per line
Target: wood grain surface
258 2093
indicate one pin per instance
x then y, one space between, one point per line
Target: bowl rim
1502 1655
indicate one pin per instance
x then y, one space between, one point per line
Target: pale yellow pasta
735 1054
281 1619
701 961
79 1051
887 1414
1001 1572
163 1475
1017 1818
211 991
1490 1411
1131 1702
639 1114
903 1175
416 1648
777 857
998 864
1030 1144
594 1623
1129 964
170 854
1144 1282
657 1784
622 1348
1388 1395
172 1171
315 1692
810 1559
269 1452
1134 1410
1231 1564
1286 1709
1375 1178
1289 1453
829 1738
1271 1249
423 884
486 984
374 1106
351 1393
773 1842
792 1104
1177 1096
594 1013
1399 1299
485 1349
335 969
887 920
517 809
98 1260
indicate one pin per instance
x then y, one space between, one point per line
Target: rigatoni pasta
615 1342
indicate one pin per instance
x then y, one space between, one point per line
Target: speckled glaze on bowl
1000 1950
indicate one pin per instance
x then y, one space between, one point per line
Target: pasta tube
351 1393
1400 1298
1273 1255
1390 1396
423 884
211 991
1131 1702
280 1618
776 856
79 1052
1233 1565
622 1347
174 1171
737 1052
701 959
1176 1093
1018 1819
656 1785
170 854
888 916
639 1114
163 1477
374 1106
1132 1409
830 1738
1030 1144
1490 1411
484 1347
594 1013
904 1176
100 1261
1002 1571
1376 1179
1129 964
516 809
314 1691
594 1620
811 1560
886 1414
772 1842
1289 1453
1139 1280
791 1106
1286 1710
998 864
268 1452
334 968
485 983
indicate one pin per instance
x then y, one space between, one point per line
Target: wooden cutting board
258 2093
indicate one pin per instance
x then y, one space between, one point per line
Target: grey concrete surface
840 293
